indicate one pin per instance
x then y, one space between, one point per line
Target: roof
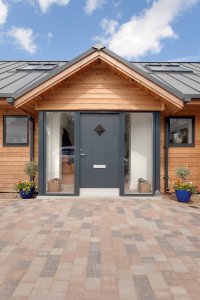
13 80
15 83
186 83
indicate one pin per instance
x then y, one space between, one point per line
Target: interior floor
141 189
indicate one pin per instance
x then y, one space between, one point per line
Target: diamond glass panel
99 130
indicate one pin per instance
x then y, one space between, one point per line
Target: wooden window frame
4 132
193 132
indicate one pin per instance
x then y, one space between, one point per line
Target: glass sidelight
138 161
60 152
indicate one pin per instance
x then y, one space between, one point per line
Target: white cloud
49 37
3 12
45 4
24 38
144 33
92 5
109 26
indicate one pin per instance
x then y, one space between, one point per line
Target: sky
137 30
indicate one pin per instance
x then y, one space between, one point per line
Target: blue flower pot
183 195
32 190
26 195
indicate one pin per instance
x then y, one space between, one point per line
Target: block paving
108 249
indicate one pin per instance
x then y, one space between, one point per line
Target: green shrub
31 169
183 173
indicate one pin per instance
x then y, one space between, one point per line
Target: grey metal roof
185 83
15 83
172 86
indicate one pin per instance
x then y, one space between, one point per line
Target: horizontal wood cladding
96 89
13 159
183 156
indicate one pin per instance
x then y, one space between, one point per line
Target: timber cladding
13 159
98 88
182 156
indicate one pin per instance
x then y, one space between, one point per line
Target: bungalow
99 124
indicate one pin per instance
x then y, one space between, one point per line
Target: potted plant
25 189
31 169
183 188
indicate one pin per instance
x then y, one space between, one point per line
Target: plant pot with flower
183 188
26 189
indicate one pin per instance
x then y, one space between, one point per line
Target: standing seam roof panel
194 77
187 81
7 81
175 83
191 66
10 68
21 82
30 82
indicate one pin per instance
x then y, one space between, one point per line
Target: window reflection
181 131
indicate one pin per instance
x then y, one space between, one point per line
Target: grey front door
99 151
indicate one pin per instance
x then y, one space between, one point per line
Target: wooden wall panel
183 156
13 159
99 89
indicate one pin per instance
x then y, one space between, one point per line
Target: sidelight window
138 161
60 152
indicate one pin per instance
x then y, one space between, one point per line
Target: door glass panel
60 152
99 130
138 161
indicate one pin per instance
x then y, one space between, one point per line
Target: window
15 130
138 160
181 131
38 67
167 68
99 130
60 152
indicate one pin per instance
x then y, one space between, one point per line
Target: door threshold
99 192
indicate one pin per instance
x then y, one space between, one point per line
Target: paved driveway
107 249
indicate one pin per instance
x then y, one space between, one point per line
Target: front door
99 150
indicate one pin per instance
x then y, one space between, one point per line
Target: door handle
82 154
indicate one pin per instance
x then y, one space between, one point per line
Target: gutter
10 100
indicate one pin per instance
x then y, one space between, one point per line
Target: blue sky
144 30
